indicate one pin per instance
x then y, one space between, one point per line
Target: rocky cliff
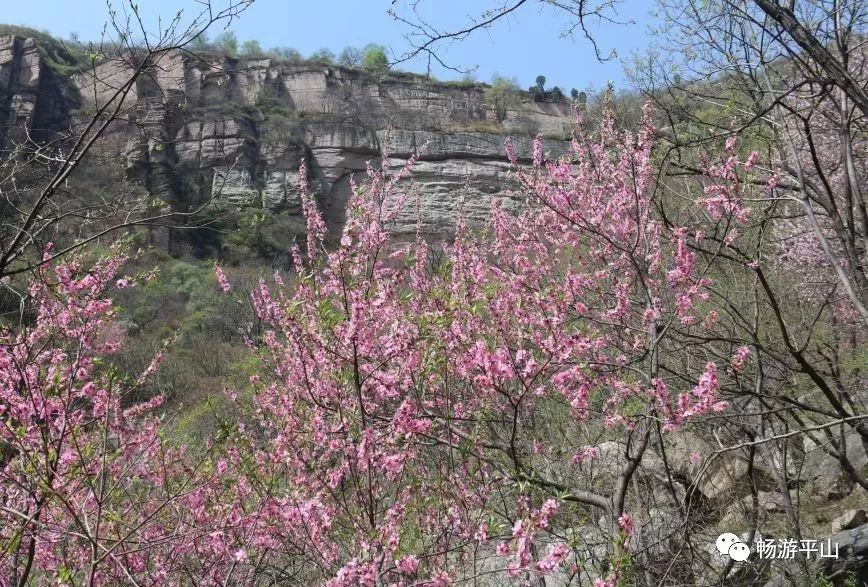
229 134
32 96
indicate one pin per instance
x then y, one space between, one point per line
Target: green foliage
323 55
541 84
375 58
278 121
848 579
259 233
200 42
535 94
202 419
502 95
252 49
557 94
228 43
468 81
286 54
183 302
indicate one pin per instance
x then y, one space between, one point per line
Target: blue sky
526 45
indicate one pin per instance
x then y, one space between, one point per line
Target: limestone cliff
230 134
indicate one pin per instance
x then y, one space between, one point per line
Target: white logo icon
731 545
739 552
724 541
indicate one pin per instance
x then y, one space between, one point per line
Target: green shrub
461 83
502 95
228 43
375 58
200 42
259 233
287 54
252 49
324 56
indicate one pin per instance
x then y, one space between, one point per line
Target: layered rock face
223 134
238 131
31 97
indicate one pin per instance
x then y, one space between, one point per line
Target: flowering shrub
415 425
89 490
404 417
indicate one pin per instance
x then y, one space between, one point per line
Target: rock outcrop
225 134
31 96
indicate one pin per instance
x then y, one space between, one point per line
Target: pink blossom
408 564
739 358
585 454
546 511
481 534
391 388
221 279
610 581
625 523
553 558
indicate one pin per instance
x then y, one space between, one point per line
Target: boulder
715 477
824 470
848 520
768 502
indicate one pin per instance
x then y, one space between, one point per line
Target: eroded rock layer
227 134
